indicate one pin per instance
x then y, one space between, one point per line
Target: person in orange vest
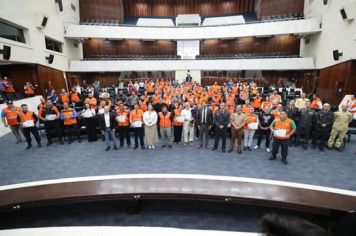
8 89
92 101
74 97
123 124
275 98
316 104
165 123
136 120
64 97
49 114
28 120
246 107
257 102
282 129
251 125
29 89
177 124
69 117
276 112
215 88
267 104
9 117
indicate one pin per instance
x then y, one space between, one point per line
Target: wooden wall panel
171 8
102 10
128 47
278 7
50 78
289 45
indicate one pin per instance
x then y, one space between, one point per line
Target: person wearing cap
28 120
9 117
69 117
8 89
29 89
49 114
324 121
282 129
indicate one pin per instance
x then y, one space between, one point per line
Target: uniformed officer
324 121
305 124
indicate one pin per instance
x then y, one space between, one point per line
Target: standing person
92 101
306 123
29 89
150 120
64 97
339 129
178 124
316 104
282 128
90 122
108 127
275 99
293 113
49 114
324 121
9 117
165 124
204 124
265 120
74 97
28 120
188 127
250 128
238 121
123 124
300 102
136 120
52 96
133 100
221 121
69 117
8 89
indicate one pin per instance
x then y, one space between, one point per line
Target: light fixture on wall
337 55
6 52
50 58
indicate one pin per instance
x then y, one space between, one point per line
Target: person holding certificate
282 128
178 121
136 120
90 122
150 120
123 124
9 117
251 125
69 117
49 114
28 120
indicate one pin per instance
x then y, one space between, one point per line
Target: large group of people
171 113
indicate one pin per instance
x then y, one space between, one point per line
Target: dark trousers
321 133
71 130
177 132
27 133
138 133
90 123
204 134
284 143
53 127
220 133
124 132
9 95
305 131
263 133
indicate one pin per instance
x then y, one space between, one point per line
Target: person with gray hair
324 121
108 127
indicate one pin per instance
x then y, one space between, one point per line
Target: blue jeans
109 133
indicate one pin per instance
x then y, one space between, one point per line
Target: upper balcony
252 29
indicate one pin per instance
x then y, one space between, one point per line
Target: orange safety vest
177 113
67 114
74 97
124 114
143 107
11 116
25 117
92 102
10 88
64 98
244 95
278 124
235 90
165 120
215 88
257 103
29 90
246 109
275 97
136 115
251 118
315 103
275 113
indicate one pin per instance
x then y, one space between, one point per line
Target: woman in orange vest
91 100
177 123
29 90
64 97
74 97
136 120
282 129
257 102
316 103
9 117
8 89
165 125
69 117
123 124
266 104
28 121
251 125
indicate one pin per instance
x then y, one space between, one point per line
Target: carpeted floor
328 168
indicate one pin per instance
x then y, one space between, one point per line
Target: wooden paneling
285 44
171 8
337 81
278 7
102 10
128 47
50 78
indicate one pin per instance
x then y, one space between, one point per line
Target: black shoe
213 149
115 147
79 141
272 158
70 141
18 141
313 147
29 146
245 148
129 146
239 151
230 150
39 145
49 143
169 146
224 151
135 147
284 160
249 148
61 142
163 146
321 149
329 148
305 146
200 146
143 147
338 149
107 148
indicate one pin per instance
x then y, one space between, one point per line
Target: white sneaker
268 150
149 147
153 147
257 147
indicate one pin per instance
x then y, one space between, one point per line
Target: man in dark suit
108 126
221 121
204 122
188 78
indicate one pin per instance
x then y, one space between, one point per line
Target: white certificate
120 118
180 119
253 125
275 101
51 117
137 124
280 133
28 123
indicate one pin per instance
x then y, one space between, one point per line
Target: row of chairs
290 16
247 55
133 57
99 22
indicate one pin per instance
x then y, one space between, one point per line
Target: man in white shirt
188 127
